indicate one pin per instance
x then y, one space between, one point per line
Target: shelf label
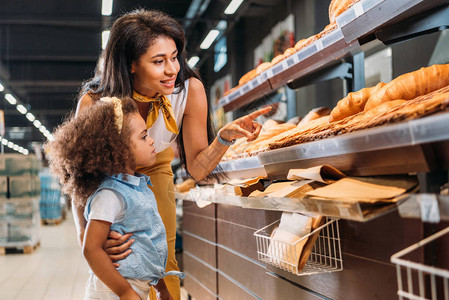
290 62
319 45
430 211
358 9
245 88
277 68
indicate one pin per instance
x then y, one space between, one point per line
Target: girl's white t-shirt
107 205
162 137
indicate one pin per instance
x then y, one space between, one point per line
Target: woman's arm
96 235
202 158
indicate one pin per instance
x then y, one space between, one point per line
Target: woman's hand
162 292
244 126
117 246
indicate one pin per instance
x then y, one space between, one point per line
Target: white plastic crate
325 257
417 280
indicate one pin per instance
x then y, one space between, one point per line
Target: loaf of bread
353 103
277 59
411 85
262 67
314 114
248 76
337 7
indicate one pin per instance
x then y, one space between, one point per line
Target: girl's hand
244 126
117 246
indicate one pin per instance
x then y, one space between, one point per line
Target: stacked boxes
19 201
52 205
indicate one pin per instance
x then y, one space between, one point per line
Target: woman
145 59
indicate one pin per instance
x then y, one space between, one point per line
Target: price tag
430 211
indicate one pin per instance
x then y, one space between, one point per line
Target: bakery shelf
431 208
354 211
366 16
416 278
325 257
411 146
243 168
324 51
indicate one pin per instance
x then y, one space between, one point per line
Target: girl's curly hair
89 147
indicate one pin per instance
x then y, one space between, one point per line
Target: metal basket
325 256
421 281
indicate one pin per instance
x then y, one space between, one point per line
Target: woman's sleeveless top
162 137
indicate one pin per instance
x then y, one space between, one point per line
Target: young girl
95 155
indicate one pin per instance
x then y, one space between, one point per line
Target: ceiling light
104 38
10 98
15 148
4 141
21 109
42 128
26 152
37 123
232 7
30 117
210 38
106 7
10 144
2 88
193 61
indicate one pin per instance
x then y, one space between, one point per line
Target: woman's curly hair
89 147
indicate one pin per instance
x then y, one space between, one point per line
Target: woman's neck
146 93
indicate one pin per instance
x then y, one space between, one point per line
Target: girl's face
156 70
141 144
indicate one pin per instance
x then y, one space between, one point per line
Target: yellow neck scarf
158 102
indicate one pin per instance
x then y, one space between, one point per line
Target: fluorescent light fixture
22 109
37 123
4 141
106 7
232 7
10 98
209 39
193 61
30 117
2 88
104 38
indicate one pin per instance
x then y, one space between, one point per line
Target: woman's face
156 70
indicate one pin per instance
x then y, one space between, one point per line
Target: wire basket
325 256
421 281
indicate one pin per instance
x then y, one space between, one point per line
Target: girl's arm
95 237
202 158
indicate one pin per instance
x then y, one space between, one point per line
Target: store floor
56 270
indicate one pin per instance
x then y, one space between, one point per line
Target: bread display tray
412 146
366 16
242 168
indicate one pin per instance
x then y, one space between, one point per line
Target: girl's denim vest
148 258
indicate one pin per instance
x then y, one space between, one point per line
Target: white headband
118 112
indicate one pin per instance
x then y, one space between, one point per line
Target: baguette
353 103
411 85
248 76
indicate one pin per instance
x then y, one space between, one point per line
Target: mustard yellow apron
161 176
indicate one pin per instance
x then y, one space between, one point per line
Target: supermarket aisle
54 271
